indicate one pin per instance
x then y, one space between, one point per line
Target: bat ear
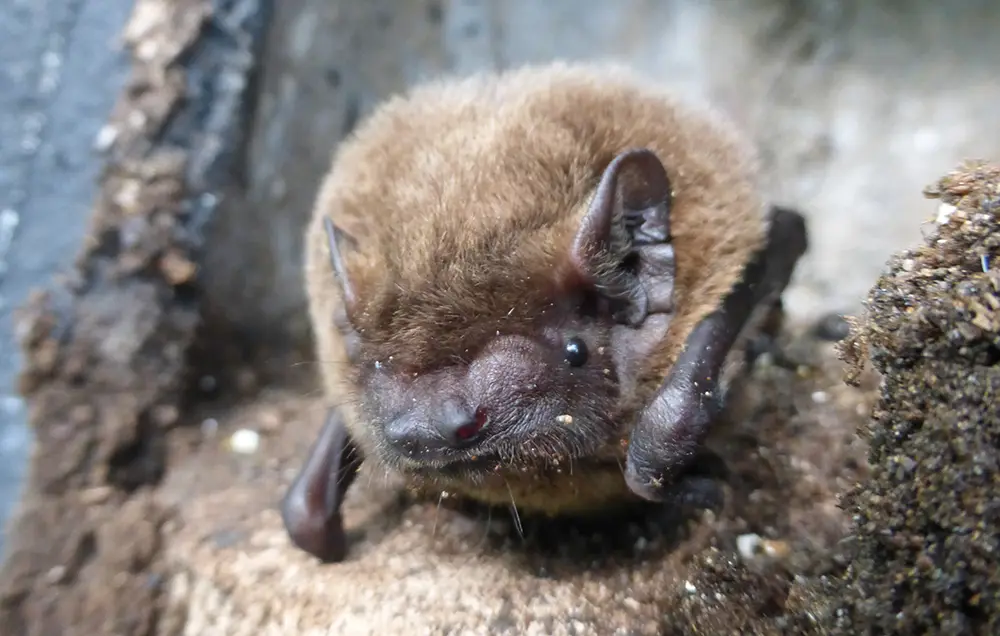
335 237
628 217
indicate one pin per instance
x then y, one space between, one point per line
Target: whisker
513 509
437 513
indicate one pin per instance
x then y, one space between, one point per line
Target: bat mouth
476 467
454 467
549 452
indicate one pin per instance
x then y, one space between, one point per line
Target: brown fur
464 195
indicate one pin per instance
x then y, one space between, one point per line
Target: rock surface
429 568
60 74
106 349
927 536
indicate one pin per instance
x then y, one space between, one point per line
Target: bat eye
576 352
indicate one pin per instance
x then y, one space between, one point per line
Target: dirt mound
927 534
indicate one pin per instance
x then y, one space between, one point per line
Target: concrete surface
60 72
856 105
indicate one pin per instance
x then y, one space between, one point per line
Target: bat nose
451 424
458 423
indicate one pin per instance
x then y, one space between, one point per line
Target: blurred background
855 105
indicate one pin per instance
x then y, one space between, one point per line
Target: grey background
60 72
856 106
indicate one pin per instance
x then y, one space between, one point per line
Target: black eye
576 352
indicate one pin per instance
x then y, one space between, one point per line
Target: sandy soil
430 567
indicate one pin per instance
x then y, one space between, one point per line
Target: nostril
467 431
452 424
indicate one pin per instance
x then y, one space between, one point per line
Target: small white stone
909 265
210 427
632 604
944 212
689 587
55 575
564 419
244 441
748 545
105 138
820 397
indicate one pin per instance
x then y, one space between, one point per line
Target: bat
529 286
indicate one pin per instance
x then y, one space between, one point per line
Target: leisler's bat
527 286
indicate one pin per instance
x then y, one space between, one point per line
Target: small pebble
689 587
55 575
165 414
944 212
775 549
748 545
210 427
832 327
244 441
270 421
632 604
105 138
95 495
820 397
564 419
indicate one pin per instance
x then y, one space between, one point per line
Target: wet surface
60 72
